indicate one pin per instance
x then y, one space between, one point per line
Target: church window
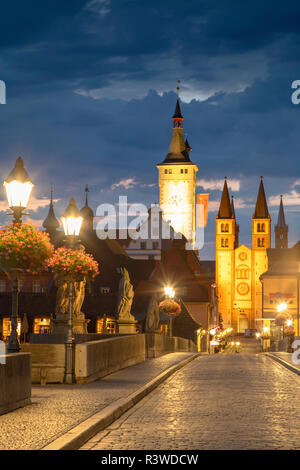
181 171
170 172
225 228
258 242
262 227
226 242
258 227
166 171
242 272
185 171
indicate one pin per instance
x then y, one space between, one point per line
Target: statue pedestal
60 324
127 327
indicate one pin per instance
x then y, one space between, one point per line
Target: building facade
177 182
238 267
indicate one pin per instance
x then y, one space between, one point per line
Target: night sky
91 89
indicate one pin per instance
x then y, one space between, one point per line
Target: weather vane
178 81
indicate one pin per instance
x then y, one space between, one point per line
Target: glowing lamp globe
71 219
169 292
18 186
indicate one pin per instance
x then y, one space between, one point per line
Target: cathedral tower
225 245
177 182
281 229
261 241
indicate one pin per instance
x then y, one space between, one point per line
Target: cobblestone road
57 408
226 401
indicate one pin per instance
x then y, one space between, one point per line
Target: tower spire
281 228
51 223
261 208
225 210
86 194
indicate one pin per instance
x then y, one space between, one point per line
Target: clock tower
177 182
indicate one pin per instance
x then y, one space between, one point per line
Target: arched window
222 227
262 227
226 242
242 272
226 228
258 227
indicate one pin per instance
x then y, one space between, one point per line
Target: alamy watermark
132 221
2 92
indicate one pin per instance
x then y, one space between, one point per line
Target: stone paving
57 408
287 357
225 401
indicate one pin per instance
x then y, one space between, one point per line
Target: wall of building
15 382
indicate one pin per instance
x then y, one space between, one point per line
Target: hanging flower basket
170 307
73 265
288 331
24 247
280 318
266 336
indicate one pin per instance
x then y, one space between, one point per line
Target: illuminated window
104 290
242 272
164 329
41 325
110 326
225 228
6 328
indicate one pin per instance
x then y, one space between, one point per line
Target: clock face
175 199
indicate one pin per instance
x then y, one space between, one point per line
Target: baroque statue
125 296
153 318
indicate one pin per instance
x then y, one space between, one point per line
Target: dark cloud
89 100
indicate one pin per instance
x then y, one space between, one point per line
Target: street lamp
170 293
71 220
18 187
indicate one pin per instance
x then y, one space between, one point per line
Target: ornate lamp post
170 294
18 187
71 220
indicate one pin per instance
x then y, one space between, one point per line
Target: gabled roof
261 208
225 209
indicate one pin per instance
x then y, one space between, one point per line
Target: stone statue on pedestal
126 321
153 318
62 305
125 296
